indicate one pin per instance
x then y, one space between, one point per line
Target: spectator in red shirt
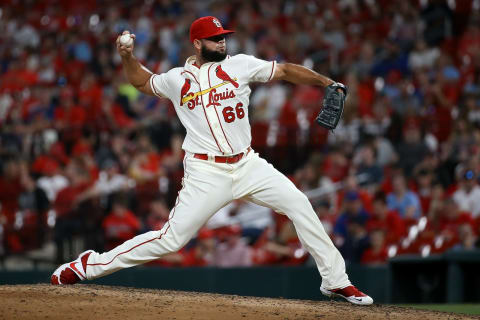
68 206
469 43
442 229
284 249
147 163
91 96
113 116
452 218
386 220
158 215
377 253
68 198
69 115
204 251
423 187
336 165
234 251
10 188
121 224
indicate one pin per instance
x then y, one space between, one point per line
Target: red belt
222 159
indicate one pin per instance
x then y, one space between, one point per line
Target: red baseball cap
206 27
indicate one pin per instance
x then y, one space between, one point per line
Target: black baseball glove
333 103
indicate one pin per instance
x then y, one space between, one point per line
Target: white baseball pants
207 187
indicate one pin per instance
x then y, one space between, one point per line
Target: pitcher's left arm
335 92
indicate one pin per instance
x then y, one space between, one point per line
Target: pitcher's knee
297 197
296 200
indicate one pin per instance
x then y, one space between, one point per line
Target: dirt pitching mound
44 301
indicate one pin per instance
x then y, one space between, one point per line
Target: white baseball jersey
212 101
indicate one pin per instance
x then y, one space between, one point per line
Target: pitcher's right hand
124 51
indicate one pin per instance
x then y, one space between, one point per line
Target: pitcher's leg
263 184
196 202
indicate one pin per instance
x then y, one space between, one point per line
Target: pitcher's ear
197 44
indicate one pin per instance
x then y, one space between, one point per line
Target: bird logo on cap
217 23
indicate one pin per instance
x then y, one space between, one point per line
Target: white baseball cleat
350 293
72 272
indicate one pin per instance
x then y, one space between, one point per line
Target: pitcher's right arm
137 74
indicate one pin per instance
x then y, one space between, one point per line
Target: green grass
473 309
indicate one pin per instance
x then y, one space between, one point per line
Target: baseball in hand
126 40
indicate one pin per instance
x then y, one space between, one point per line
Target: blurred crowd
86 161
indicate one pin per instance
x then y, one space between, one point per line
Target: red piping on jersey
217 111
271 74
153 86
192 75
203 106
104 264
161 235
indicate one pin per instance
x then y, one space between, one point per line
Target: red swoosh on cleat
72 265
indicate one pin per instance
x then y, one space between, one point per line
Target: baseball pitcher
211 94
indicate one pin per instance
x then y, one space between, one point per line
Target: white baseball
126 40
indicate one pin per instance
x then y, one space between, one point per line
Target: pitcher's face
214 49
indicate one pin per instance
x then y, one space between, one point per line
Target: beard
212 56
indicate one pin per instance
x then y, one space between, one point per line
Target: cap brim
224 31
